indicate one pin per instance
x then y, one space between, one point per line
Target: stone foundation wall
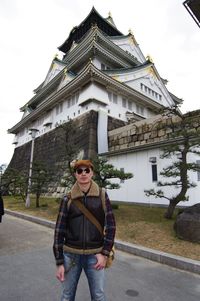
50 148
114 123
155 130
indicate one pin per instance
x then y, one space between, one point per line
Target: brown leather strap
88 214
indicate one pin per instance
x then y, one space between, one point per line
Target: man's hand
60 273
101 261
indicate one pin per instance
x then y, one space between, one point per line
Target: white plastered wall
132 190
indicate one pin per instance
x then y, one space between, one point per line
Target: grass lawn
136 224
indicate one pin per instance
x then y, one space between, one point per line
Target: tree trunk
37 200
184 185
170 210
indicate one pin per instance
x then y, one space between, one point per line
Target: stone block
121 141
161 133
123 146
154 134
134 138
140 137
124 134
133 131
147 135
140 130
168 130
131 144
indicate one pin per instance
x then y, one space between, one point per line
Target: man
1 206
78 244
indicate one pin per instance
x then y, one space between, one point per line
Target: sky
32 30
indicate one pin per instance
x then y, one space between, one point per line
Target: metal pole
28 201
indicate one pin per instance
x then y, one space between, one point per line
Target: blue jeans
74 263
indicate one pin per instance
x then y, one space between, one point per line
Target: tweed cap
86 163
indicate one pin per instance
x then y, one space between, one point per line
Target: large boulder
187 224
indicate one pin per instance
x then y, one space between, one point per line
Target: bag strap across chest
86 212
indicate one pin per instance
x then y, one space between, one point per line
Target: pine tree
105 171
185 139
40 179
15 183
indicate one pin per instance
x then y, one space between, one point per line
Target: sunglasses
79 171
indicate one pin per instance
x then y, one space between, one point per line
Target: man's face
83 174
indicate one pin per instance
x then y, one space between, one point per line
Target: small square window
69 103
130 105
124 102
103 67
73 100
115 98
110 96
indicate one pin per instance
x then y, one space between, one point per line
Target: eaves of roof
91 50
39 88
98 39
119 86
127 70
88 73
115 48
120 37
150 64
48 87
78 31
84 49
36 90
176 99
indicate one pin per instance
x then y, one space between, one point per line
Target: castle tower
103 81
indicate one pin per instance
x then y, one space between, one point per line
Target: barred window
198 171
124 102
154 173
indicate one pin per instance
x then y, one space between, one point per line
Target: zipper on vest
84 224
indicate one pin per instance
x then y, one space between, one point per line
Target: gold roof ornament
110 19
55 56
130 31
149 58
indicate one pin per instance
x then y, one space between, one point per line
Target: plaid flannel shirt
60 230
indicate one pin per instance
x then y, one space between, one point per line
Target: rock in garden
187 224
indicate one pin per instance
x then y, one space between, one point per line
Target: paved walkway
158 256
27 271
